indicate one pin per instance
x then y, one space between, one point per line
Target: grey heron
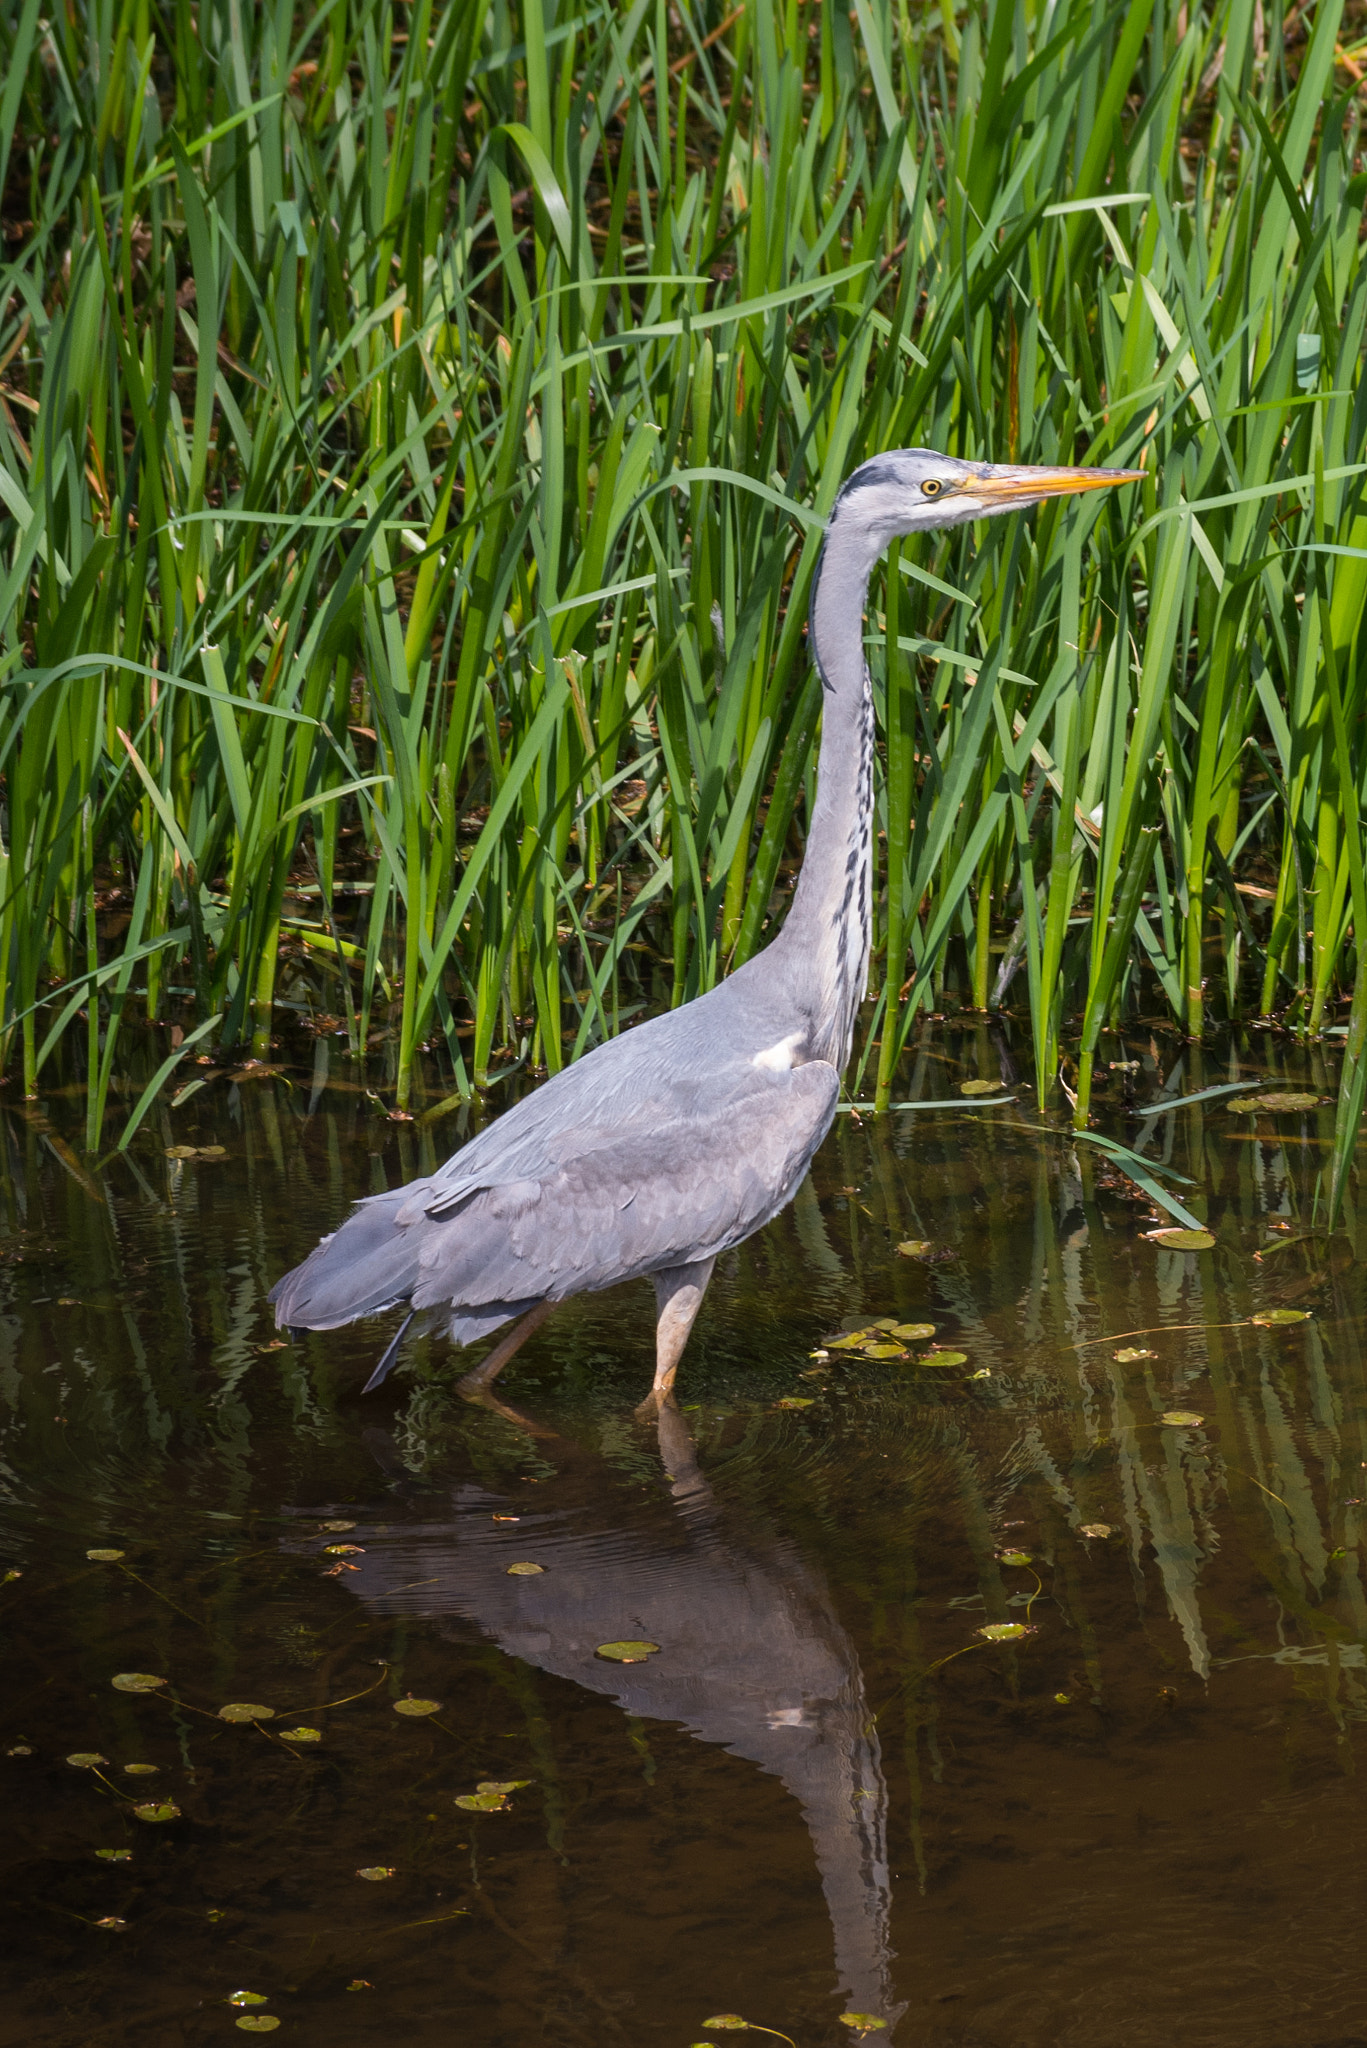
662 1148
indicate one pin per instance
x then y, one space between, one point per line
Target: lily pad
1296 1098
180 1151
1132 1354
245 1710
1181 1418
727 2023
417 1708
915 1247
300 1734
980 1088
344 1550
1016 1557
376 1873
136 1681
1094 1531
944 1358
502 1786
631 1652
853 1340
248 1998
141 1770
257 2023
525 1570
793 1401
480 1802
104 1556
158 1810
115 1855
1178 1240
885 1351
1004 1631
914 1333
87 1759
1243 1105
1273 1318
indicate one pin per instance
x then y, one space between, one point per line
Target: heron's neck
828 925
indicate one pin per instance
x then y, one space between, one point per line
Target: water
826 1792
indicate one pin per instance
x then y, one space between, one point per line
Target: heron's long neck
828 925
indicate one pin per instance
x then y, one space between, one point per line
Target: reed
415 426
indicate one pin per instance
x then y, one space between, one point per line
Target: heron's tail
370 1264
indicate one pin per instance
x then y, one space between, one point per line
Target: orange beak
1008 484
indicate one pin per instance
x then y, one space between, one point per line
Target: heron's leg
487 1371
678 1297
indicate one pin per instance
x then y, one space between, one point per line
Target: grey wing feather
617 1169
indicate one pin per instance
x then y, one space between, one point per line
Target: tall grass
415 424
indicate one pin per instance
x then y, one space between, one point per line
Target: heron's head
911 489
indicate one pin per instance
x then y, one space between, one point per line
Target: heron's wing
665 1190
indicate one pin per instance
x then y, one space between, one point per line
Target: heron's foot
660 1396
480 1395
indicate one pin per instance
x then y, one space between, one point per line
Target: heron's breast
779 1058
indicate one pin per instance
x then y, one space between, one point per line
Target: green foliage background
415 426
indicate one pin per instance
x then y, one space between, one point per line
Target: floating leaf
1095 1529
1132 1354
158 1810
1176 1240
300 1734
1063 1698
502 1786
944 1358
248 1998
853 1340
1273 1317
416 1708
627 1652
885 1351
914 1333
984 1372
213 1151
525 1570
793 1401
115 1855
141 1770
344 1550
104 1556
1004 1631
974 1088
862 2022
338 1528
479 1802
915 1247
180 1151
376 1873
245 1710
1016 1557
728 2023
112 1923
257 2023
87 1759
136 1681
1181 1418
1243 1105
1295 1099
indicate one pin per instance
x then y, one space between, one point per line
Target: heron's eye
932 487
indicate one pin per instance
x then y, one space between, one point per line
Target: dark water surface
1139 1823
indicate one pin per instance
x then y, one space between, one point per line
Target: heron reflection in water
666 1146
753 1655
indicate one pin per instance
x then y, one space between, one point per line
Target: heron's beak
1005 485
